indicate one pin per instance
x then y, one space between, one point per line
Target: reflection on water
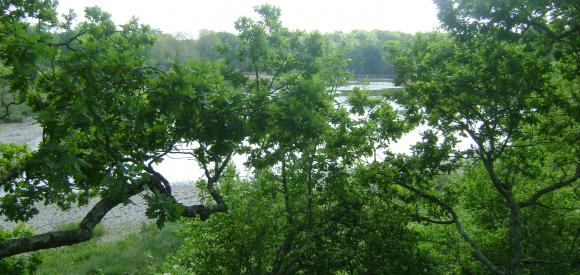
371 86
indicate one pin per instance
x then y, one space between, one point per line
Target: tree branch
474 245
84 232
6 106
539 261
561 184
557 208
192 211
429 220
70 40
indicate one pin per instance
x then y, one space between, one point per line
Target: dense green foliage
325 193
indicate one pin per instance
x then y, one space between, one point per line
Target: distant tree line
364 49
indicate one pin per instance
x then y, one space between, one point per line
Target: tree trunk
516 236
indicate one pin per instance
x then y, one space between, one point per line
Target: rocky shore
26 132
122 220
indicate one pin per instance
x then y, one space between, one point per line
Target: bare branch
69 41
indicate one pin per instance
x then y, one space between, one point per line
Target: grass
135 254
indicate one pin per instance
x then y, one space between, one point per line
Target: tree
313 214
107 116
496 81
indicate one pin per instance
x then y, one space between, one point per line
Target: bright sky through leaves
191 16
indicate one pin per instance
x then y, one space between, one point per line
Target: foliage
353 234
109 82
312 215
246 236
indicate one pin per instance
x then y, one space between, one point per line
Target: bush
244 240
353 234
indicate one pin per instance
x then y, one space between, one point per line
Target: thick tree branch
474 245
561 184
149 168
83 233
190 211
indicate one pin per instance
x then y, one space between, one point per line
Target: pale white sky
191 16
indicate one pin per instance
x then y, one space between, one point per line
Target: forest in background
364 49
326 193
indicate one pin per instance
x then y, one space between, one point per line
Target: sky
191 16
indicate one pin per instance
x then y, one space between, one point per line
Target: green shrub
353 234
244 240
